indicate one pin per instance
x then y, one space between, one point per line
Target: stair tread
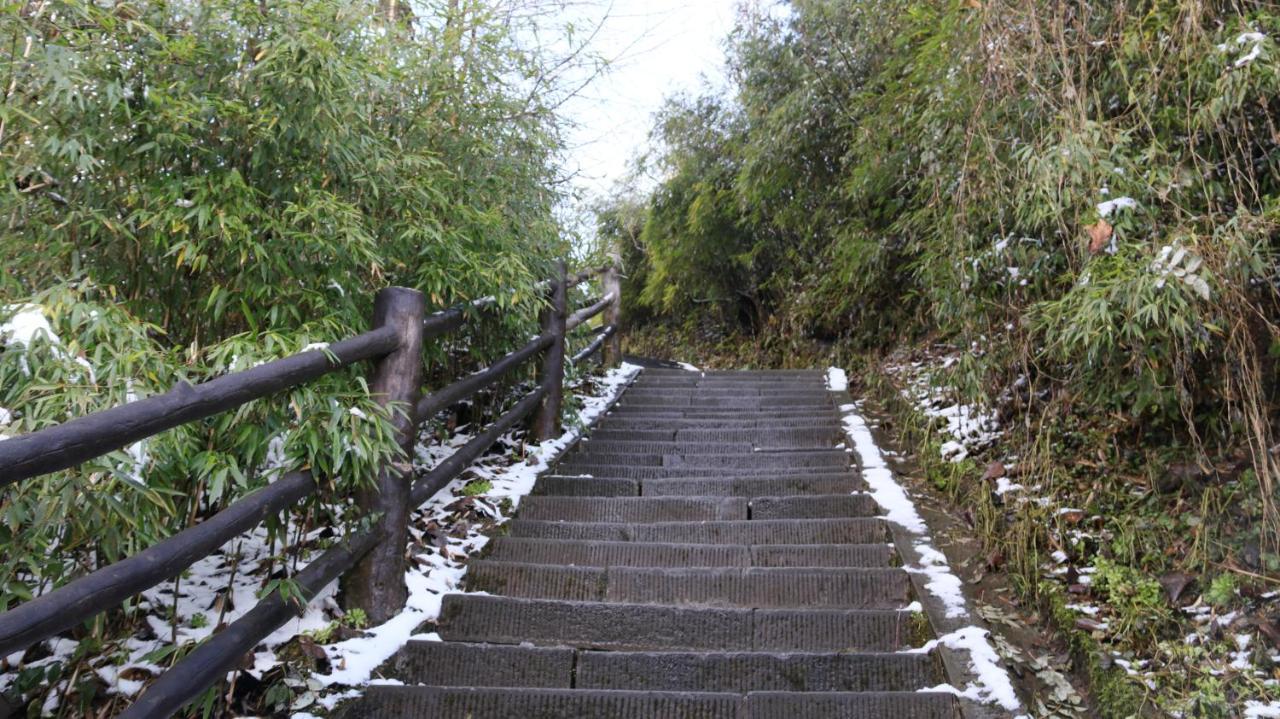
501 703
619 626
858 530
776 587
504 665
673 554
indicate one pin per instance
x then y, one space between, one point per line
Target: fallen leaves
1174 584
1100 235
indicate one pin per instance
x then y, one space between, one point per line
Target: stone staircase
704 553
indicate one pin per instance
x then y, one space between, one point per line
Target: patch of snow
900 510
27 323
992 683
688 367
969 427
1004 486
940 582
1245 38
1106 208
1240 657
1258 710
887 492
837 380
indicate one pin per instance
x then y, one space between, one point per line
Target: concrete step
745 672
727 399
640 627
550 485
751 459
619 471
819 374
739 429
645 418
483 665
660 554
591 446
638 392
428 702
498 703
854 705
814 484
497 665
633 509
758 587
686 509
813 507
816 434
859 530
622 410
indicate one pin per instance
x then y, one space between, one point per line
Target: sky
654 48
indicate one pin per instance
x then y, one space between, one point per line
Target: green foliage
231 166
193 189
355 618
1138 601
1086 198
475 489
1221 591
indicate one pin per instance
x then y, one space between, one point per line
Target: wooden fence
370 562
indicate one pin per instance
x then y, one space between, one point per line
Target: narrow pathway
711 551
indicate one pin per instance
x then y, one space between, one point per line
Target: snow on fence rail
375 552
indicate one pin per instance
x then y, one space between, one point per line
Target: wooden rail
370 562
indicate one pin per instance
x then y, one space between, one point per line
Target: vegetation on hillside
1082 200
193 188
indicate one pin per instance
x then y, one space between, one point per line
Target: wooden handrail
595 345
73 603
455 463
396 342
586 313
83 438
467 386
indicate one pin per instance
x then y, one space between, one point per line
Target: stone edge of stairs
956 664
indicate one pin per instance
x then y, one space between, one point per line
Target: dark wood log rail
400 330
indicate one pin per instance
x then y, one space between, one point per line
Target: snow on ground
189 608
1228 651
991 683
1259 710
837 380
688 367
970 428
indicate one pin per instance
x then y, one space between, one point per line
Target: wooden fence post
611 281
376 584
547 423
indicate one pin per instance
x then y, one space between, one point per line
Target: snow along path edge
969 658
434 574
